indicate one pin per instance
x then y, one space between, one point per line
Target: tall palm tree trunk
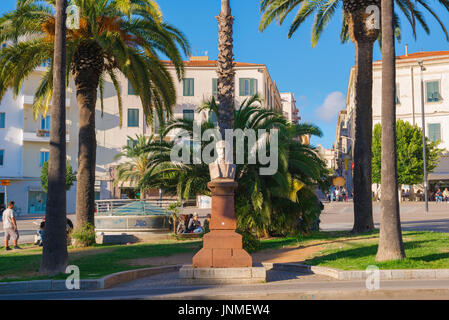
55 257
226 73
391 246
87 66
364 39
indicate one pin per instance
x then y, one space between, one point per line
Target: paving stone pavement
170 280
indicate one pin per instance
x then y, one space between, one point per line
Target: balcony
40 136
29 101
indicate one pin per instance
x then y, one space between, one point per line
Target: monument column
222 246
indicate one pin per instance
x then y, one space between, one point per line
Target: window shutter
215 87
253 87
242 87
131 90
429 91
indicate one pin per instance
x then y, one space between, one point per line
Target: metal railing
126 207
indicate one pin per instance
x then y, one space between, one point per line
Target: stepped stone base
189 275
222 249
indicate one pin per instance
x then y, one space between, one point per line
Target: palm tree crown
323 11
113 36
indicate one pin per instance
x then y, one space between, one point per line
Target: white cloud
332 105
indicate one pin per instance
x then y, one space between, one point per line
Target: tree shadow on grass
368 252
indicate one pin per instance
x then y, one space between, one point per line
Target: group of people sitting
191 224
442 196
39 238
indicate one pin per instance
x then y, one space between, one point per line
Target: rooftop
420 55
205 62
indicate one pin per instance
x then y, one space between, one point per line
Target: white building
24 146
198 85
24 141
327 155
289 108
408 82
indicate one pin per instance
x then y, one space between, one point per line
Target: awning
437 176
441 172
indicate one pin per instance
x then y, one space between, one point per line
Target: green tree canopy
70 176
410 155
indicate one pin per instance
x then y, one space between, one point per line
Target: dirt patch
284 255
82 252
181 258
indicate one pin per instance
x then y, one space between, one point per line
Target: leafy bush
70 176
84 237
250 241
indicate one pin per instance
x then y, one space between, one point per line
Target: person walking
10 226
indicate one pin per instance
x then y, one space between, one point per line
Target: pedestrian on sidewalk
10 226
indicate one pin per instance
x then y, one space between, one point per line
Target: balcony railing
28 99
40 136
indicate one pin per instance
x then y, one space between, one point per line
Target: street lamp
424 151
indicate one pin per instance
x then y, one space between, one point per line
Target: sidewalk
339 216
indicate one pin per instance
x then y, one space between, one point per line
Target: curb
93 284
403 274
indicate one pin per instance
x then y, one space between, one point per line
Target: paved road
28 226
340 216
281 285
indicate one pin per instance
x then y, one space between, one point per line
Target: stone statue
219 168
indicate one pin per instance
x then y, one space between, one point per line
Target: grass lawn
94 262
337 249
424 250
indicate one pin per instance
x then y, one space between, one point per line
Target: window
2 158
131 90
189 87
248 87
45 123
215 87
2 120
434 132
133 118
433 91
156 121
131 143
398 94
188 115
44 157
213 118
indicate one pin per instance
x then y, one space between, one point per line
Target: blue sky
317 76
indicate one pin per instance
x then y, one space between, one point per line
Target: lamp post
424 151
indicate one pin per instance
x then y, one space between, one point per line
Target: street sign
5 183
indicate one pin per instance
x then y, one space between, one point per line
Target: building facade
199 85
24 145
289 108
435 83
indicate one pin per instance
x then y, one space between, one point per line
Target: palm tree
265 203
226 73
356 27
113 36
138 164
55 257
391 246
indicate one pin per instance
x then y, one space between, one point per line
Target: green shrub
84 237
250 241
